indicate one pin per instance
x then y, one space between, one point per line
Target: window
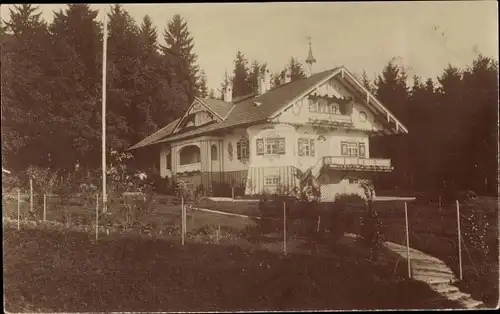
362 151
202 118
213 152
168 162
243 148
272 180
313 106
353 149
189 155
323 106
271 146
306 147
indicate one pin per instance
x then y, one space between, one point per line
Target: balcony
357 163
334 120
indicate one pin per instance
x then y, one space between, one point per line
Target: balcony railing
357 163
331 119
189 167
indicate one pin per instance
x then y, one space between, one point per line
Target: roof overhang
373 103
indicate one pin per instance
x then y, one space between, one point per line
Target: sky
362 36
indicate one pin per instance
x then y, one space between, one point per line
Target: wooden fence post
44 207
407 241
97 217
182 220
284 227
18 209
459 242
31 195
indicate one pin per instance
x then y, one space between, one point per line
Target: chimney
267 80
264 83
228 93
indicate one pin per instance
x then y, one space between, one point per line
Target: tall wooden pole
407 241
459 241
103 114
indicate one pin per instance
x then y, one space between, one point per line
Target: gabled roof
246 112
161 133
270 104
219 107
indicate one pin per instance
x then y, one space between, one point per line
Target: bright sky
424 36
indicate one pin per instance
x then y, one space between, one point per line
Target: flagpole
103 115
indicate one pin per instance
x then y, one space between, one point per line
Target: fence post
97 217
284 227
232 192
182 220
218 234
407 241
18 209
31 195
44 207
459 242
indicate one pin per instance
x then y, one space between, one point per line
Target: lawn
51 271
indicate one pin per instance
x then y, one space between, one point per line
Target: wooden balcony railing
357 163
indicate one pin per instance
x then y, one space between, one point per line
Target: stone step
472 303
433 280
444 288
457 295
429 270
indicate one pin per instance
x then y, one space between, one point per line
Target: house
257 143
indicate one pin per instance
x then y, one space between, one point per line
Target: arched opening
213 152
189 155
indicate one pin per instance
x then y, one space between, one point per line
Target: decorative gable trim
196 100
371 101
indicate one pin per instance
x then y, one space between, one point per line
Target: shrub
371 232
353 200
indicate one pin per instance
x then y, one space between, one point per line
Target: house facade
259 143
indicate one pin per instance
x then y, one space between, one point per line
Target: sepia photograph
250 157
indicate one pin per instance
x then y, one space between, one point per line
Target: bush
344 200
371 232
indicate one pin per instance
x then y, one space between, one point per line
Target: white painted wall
299 112
233 164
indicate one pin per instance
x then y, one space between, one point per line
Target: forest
52 88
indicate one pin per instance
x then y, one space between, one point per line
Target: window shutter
362 150
344 148
238 149
281 146
301 148
247 151
312 150
260 146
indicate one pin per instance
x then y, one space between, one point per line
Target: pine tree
392 91
253 77
203 89
224 84
211 95
26 98
241 74
296 70
181 43
77 51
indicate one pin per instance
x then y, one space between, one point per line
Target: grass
46 270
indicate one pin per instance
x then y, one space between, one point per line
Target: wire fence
428 228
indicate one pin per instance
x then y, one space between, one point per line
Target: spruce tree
181 43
